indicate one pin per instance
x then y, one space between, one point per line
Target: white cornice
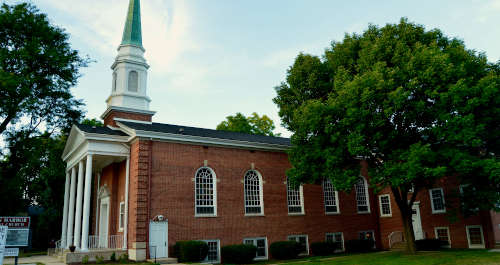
136 121
182 138
124 109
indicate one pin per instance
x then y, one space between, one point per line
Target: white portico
88 150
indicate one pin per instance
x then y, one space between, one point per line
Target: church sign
18 232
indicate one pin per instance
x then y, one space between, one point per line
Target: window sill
254 215
260 258
205 216
332 213
296 214
364 212
438 212
386 216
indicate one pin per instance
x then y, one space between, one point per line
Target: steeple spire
132 34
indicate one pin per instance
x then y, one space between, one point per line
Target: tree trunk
408 233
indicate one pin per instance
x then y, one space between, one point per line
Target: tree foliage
37 70
253 124
415 104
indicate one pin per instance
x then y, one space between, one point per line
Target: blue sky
211 59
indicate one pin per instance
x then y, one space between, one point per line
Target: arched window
114 81
295 198
205 192
331 197
133 81
253 193
362 195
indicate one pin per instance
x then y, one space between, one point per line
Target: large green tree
38 67
413 103
253 124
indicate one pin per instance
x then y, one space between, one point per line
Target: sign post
3 238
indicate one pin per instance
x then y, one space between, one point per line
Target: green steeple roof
132 34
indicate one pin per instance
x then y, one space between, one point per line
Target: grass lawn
459 257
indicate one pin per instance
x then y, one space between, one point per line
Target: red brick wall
138 192
452 219
174 167
109 119
495 219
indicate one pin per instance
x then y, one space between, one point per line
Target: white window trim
120 223
307 243
432 201
333 234
255 240
448 231
261 195
218 251
380 205
367 198
301 195
336 199
215 193
468 238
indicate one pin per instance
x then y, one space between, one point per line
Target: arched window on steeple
133 81
114 81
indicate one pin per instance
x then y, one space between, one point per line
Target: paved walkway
47 260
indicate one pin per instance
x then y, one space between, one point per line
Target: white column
65 211
125 223
86 204
78 212
71 209
97 203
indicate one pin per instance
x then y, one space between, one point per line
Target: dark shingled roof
100 130
209 133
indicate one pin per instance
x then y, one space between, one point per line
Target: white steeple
130 69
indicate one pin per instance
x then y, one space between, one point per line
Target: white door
103 223
158 239
417 222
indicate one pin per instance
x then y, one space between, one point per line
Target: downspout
149 193
127 177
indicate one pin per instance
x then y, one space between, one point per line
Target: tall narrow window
437 200
213 255
331 197
475 236
337 238
121 220
205 192
114 81
133 81
295 198
362 195
253 193
303 241
385 205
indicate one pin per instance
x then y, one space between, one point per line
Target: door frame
165 223
416 205
104 238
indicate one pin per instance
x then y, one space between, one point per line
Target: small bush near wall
359 245
429 244
238 254
285 249
323 248
190 251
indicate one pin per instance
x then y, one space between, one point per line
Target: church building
141 186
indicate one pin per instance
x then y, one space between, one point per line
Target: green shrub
85 259
99 259
190 251
123 258
285 249
359 245
429 244
238 254
113 257
323 248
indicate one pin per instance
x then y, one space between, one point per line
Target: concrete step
164 260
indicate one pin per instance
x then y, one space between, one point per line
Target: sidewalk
47 260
